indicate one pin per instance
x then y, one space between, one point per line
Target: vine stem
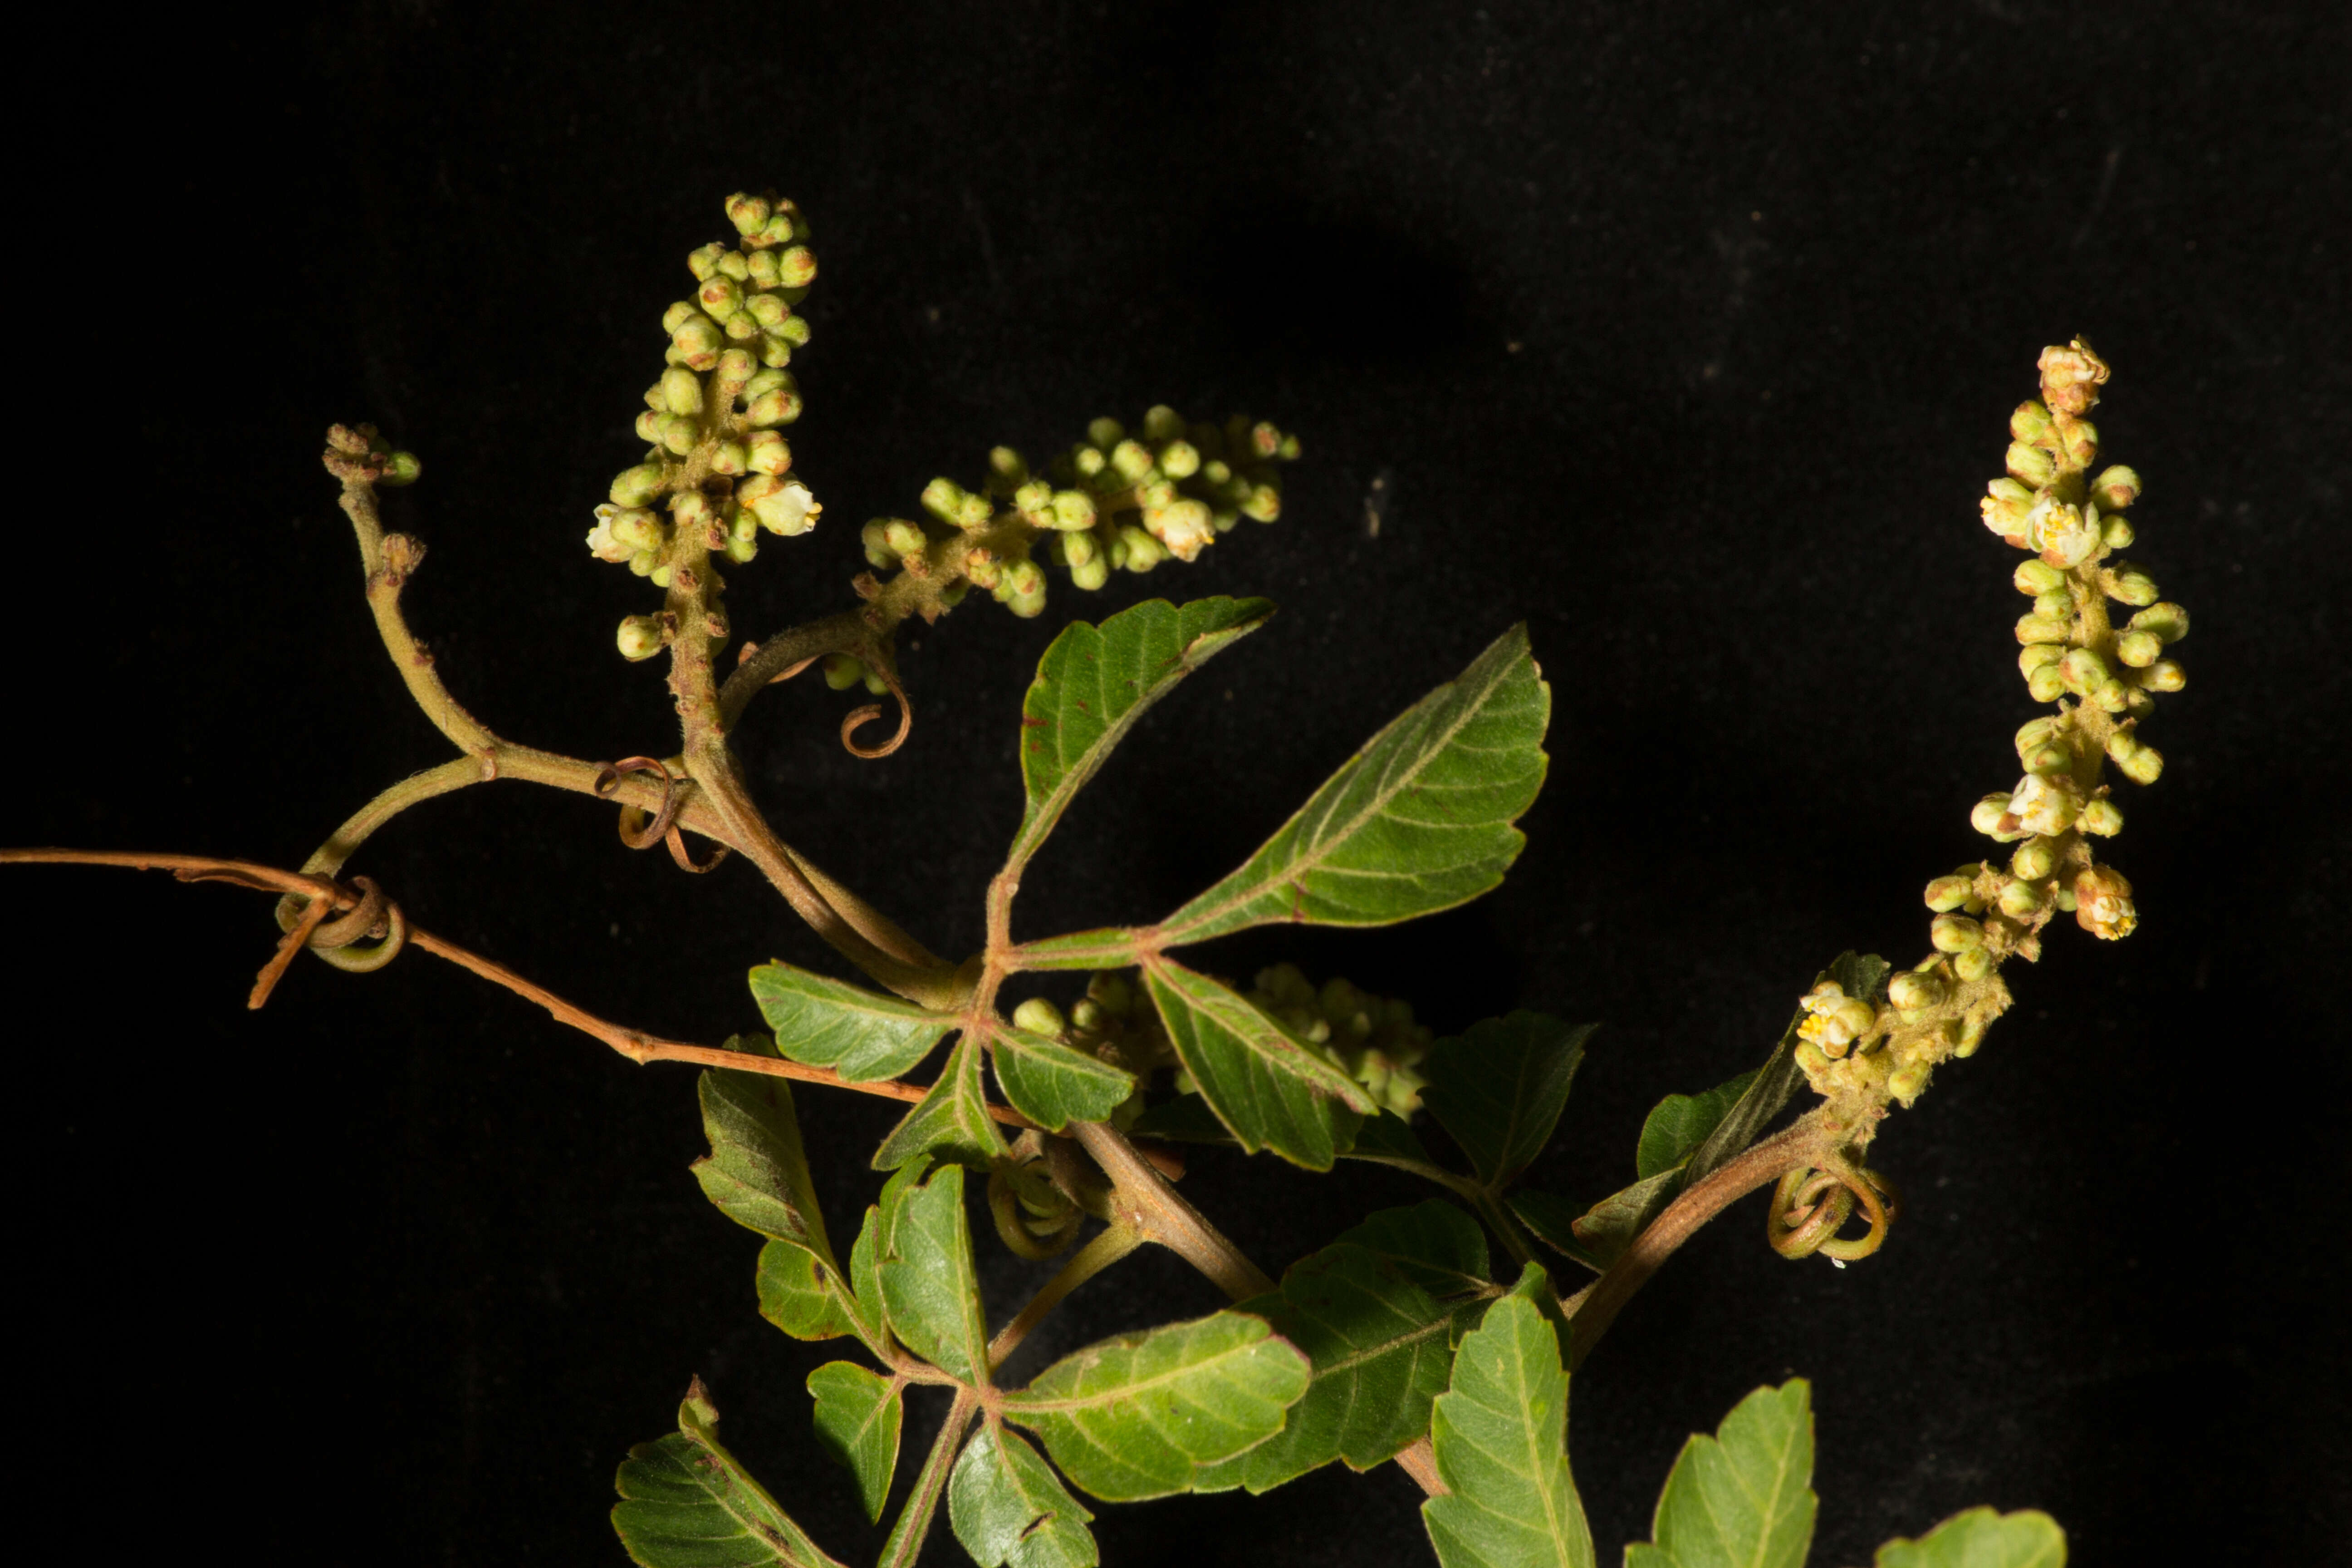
906 1536
1813 1139
1158 1212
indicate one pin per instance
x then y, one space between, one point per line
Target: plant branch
1808 1143
1143 1199
1088 1261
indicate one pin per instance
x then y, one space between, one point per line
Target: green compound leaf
860 1034
1382 1348
1743 1498
756 1171
1679 1123
1418 821
1008 1507
1500 1433
1136 1416
1094 683
951 1120
928 1286
1438 1246
687 1503
1271 1090
859 1413
1498 1089
1777 1080
1982 1538
1052 1085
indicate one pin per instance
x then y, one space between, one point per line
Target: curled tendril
1034 1218
639 832
883 665
340 941
1810 1207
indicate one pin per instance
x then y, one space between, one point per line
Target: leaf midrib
1027 1402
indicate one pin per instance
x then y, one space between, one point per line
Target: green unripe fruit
749 213
636 487
640 637
2102 816
2037 577
1038 1017
2035 859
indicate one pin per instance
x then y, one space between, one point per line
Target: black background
1684 333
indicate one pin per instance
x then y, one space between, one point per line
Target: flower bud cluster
714 477
2103 680
1115 500
1372 1039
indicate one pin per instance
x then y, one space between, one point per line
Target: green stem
449 777
1090 1261
906 1536
1499 1219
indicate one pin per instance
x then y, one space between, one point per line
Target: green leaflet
1381 1347
803 1298
1438 1246
1416 822
1743 1498
1008 1507
1094 683
1500 1435
951 1120
687 1503
927 1284
1779 1078
1052 1085
1553 1221
1499 1087
1106 947
1389 1139
1982 1538
859 1413
1135 1416
756 1171
860 1034
1271 1090
1679 1123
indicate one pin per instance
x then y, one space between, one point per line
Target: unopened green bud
1131 460
637 528
649 428
1948 893
760 269
644 562
1008 471
2139 649
1180 459
1089 463
2021 901
843 671
1033 499
1024 579
2102 816
943 499
736 369
2049 757
743 548
2037 577
2039 629
2084 670
1090 574
2115 488
748 213
778 405
1955 934
982 568
735 264
2164 674
636 487
1143 551
904 538
1154 493
679 314
2030 423
2116 533
775 349
2139 762
795 330
765 452
1973 965
2168 622
640 636
681 392
2030 465
2045 684
1264 439
720 296
2103 903
2130 586
1265 503
766 309
704 261
797 268
1812 1058
742 522
1906 1083
1038 1017
697 341
679 433
1913 989
1104 433
2079 443
727 457
975 512
1073 509
1985 816
1076 549
2033 656
2035 859
875 685
874 538
1161 423
2056 606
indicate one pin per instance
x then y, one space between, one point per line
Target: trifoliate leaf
1273 1091
756 1171
687 1503
1440 1249
1777 1080
1679 1123
1054 1085
951 1121
1416 822
1381 1347
1497 1089
1499 1433
1008 1507
1135 1417
1743 1498
1095 682
1982 1538
928 1286
859 1413
862 1034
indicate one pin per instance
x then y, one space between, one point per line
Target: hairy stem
1807 1143
906 1542
1088 1261
1143 1199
